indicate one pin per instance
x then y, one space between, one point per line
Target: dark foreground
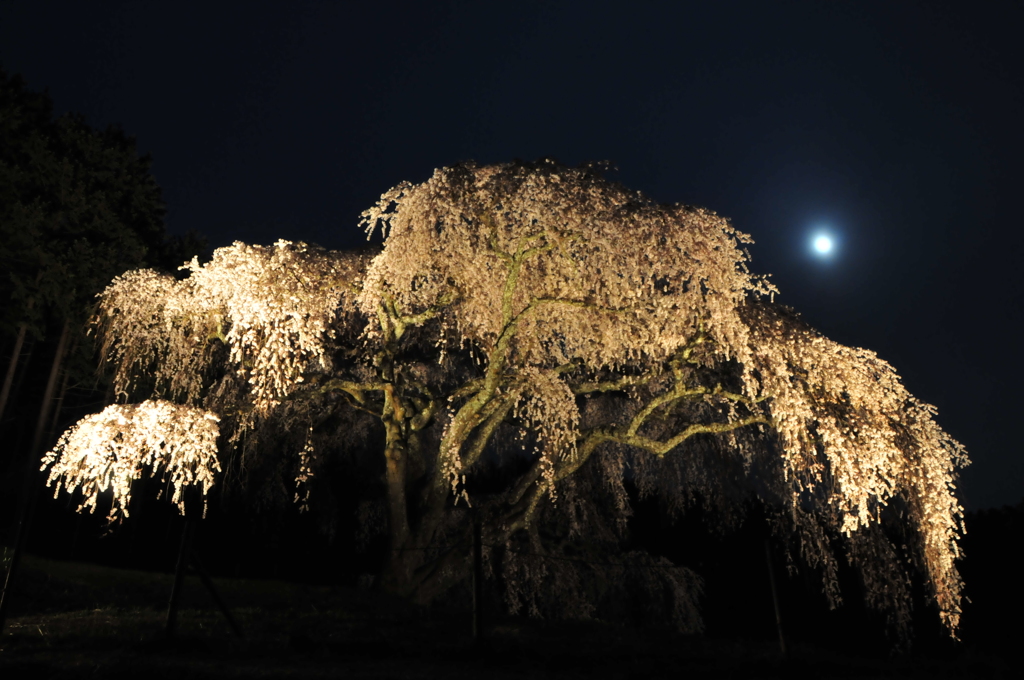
80 621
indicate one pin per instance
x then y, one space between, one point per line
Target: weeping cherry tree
530 342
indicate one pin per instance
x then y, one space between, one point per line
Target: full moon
823 245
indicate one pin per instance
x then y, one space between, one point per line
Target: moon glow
822 244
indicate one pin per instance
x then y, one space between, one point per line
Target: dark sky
897 125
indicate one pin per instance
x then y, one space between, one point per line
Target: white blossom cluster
548 409
279 304
151 331
533 268
110 450
305 473
853 435
586 270
274 306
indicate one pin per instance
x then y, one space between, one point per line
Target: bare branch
660 448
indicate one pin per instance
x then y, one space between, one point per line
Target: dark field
73 620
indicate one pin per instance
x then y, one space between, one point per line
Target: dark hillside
83 621
72 616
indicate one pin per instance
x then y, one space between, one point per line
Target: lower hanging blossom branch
110 450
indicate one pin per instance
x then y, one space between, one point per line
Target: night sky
895 126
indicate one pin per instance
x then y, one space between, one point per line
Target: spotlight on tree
528 337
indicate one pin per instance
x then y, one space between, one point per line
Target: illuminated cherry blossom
108 451
564 333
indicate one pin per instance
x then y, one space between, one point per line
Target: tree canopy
530 342
78 206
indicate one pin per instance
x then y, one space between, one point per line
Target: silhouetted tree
77 207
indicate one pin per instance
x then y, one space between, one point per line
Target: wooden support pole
188 556
478 582
775 596
208 582
179 576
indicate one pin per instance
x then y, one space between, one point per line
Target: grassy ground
75 621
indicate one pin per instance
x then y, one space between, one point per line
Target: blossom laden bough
279 305
275 307
110 450
552 264
855 438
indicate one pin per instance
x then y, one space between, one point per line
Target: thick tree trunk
400 562
431 580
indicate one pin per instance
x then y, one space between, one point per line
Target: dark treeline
78 206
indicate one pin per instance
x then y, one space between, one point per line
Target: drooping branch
492 415
356 389
660 448
394 323
616 385
111 449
